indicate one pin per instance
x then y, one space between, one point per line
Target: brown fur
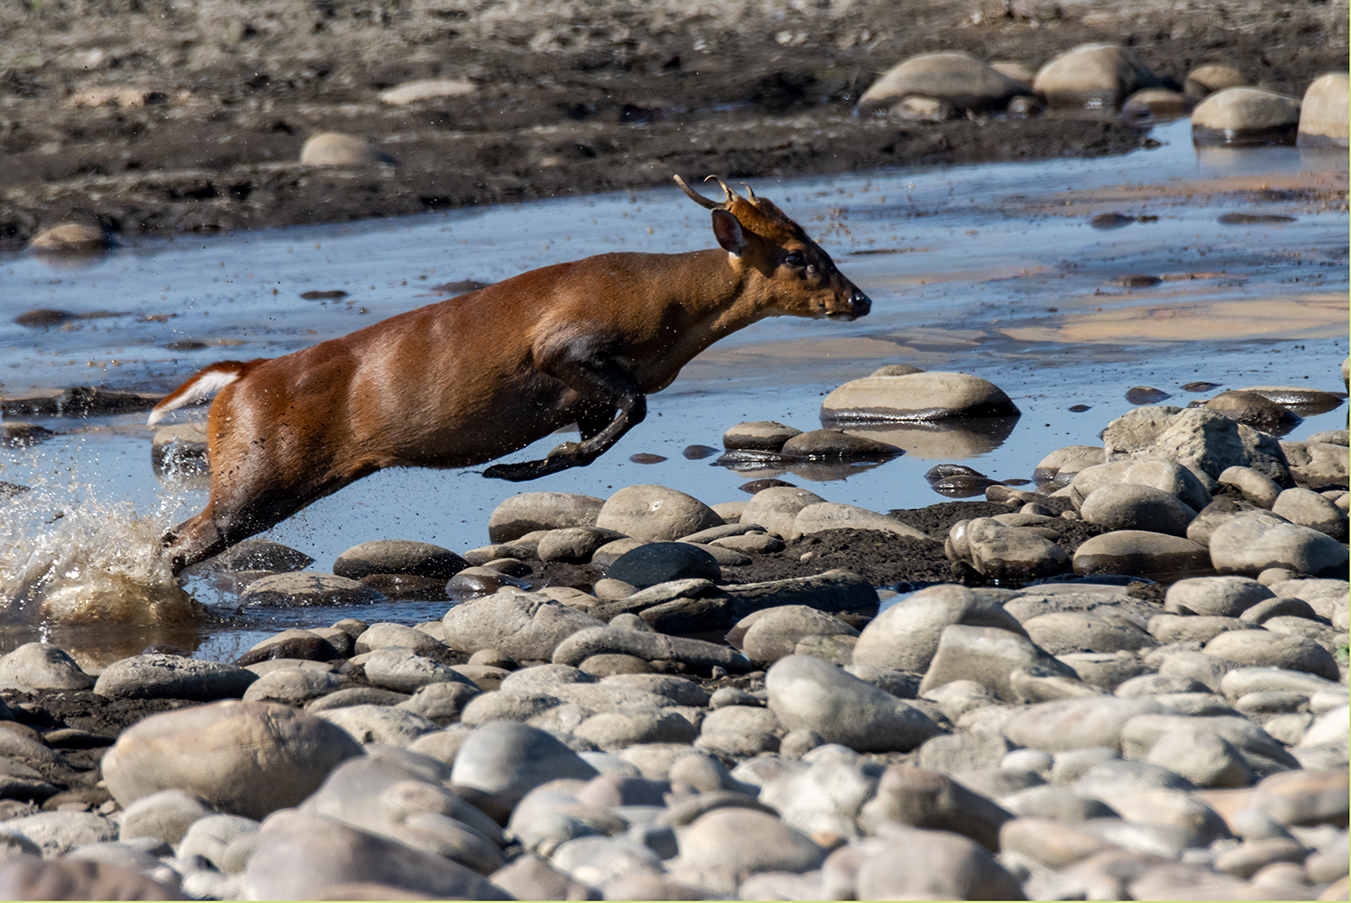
471 379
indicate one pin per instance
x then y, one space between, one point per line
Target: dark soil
572 97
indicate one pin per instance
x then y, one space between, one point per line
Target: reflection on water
993 270
71 261
965 438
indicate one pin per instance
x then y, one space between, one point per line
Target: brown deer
473 378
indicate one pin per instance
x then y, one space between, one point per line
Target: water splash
69 558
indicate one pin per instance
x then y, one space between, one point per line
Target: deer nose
859 303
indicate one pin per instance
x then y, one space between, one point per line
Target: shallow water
993 270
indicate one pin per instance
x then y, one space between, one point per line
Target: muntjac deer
473 378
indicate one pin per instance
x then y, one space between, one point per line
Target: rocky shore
1126 679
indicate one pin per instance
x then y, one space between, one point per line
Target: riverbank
170 119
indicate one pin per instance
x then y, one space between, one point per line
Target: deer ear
728 232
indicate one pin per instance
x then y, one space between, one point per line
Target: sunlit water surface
993 270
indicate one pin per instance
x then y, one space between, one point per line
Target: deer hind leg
615 404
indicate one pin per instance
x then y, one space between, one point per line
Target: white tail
205 384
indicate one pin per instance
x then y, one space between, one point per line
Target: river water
996 270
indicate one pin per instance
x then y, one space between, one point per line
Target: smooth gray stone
905 636
527 512
526 626
987 655
43 666
262 756
655 513
298 855
510 759
26 877
807 693
398 556
160 676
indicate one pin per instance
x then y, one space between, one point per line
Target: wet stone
1140 553
259 555
1245 116
1254 409
836 444
43 666
760 435
291 643
660 562
1255 487
921 396
1323 112
398 556
307 588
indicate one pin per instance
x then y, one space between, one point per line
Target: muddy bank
166 118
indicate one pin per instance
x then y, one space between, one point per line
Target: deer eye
793 258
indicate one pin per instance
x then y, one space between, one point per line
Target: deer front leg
607 387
